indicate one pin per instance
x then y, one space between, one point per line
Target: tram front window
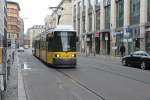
64 41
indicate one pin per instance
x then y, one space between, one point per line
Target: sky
34 11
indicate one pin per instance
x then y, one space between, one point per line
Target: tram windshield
64 41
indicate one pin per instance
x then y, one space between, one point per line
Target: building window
107 2
12 10
148 10
97 20
120 13
90 22
98 2
78 26
134 12
107 5
84 4
107 17
79 8
83 24
91 2
74 17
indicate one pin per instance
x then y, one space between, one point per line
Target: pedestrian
122 50
8 67
13 56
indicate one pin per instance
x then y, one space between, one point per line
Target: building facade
27 40
105 25
34 31
21 34
3 21
61 15
13 18
65 15
50 21
3 43
86 20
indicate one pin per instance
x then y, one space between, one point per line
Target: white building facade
21 34
86 20
104 25
61 15
34 31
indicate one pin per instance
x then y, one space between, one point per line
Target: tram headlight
57 55
73 55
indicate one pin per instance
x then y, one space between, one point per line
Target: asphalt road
95 78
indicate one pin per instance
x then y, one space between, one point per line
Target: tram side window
38 44
50 44
43 45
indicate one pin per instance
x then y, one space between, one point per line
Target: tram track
99 95
108 70
78 83
82 85
114 71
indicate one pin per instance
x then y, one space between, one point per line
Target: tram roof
62 28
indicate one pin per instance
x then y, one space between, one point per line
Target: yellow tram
57 46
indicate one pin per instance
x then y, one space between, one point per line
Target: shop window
107 17
120 13
137 43
134 12
148 41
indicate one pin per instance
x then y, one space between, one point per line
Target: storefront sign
114 48
97 34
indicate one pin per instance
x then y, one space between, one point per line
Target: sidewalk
15 90
12 86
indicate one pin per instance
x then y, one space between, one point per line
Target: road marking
25 66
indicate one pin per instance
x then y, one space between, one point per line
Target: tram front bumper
60 61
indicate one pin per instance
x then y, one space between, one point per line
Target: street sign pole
106 38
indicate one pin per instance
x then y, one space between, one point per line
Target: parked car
138 58
21 49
